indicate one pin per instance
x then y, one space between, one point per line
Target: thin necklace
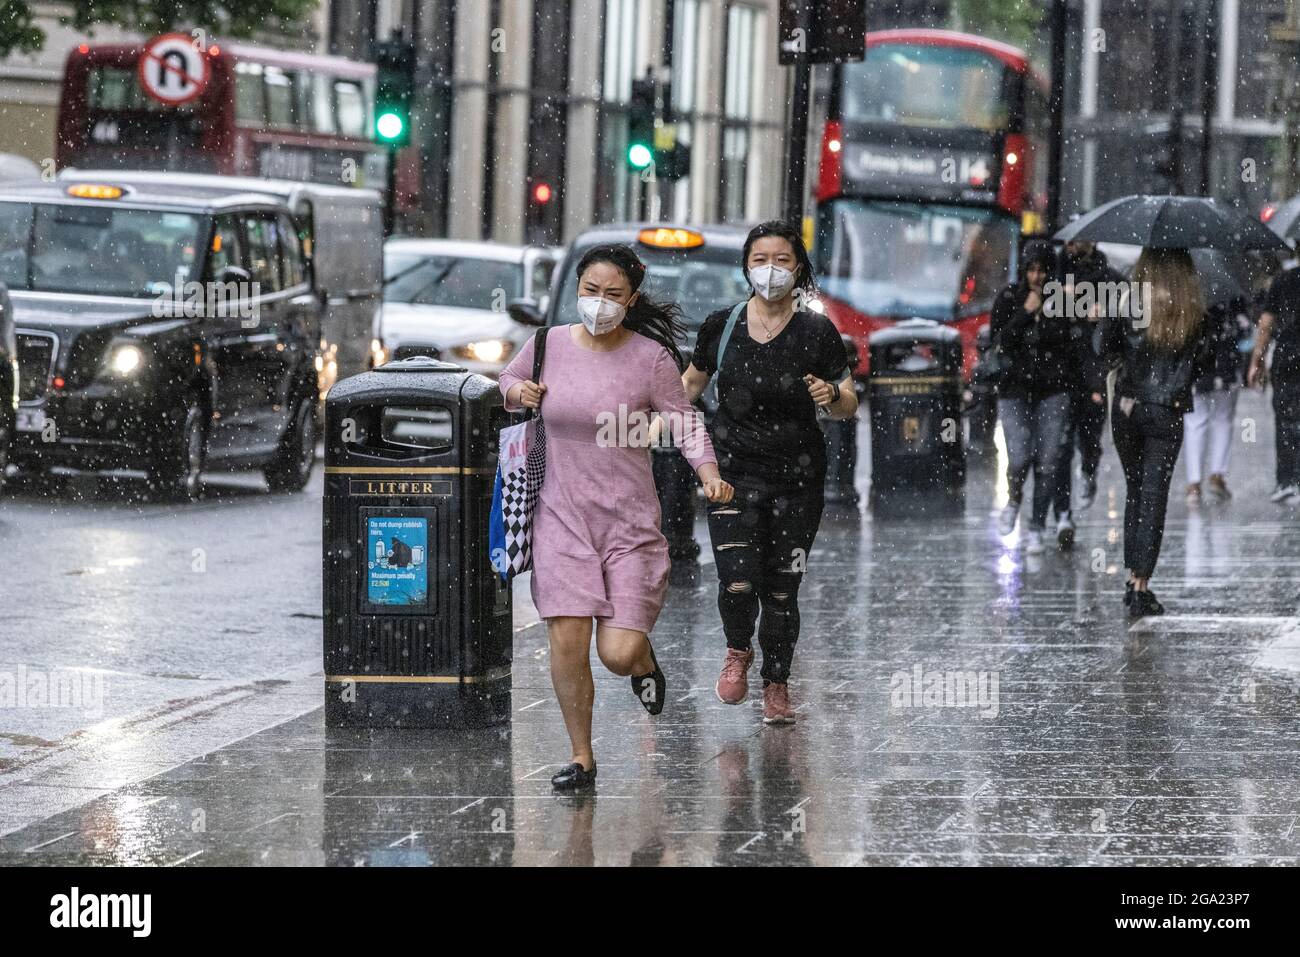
772 333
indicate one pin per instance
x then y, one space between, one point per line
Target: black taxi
160 327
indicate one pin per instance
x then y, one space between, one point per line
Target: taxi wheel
291 469
176 467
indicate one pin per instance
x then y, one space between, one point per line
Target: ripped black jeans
761 541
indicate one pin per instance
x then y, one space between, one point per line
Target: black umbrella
1172 222
1221 276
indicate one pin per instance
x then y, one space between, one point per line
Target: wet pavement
1044 728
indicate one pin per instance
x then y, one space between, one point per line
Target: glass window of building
618 189
738 106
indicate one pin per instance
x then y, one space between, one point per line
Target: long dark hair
660 321
782 229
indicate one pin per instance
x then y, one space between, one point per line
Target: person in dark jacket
1279 323
1161 348
1035 391
1214 401
1084 265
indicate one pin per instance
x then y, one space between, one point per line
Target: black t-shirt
1283 301
765 431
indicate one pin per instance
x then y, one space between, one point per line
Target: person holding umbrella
1161 347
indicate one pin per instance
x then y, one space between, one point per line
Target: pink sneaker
776 704
733 683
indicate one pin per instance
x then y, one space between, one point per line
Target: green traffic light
389 126
639 155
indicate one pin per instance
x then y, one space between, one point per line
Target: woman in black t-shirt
777 363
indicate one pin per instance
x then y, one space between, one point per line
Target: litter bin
842 447
918 462
417 622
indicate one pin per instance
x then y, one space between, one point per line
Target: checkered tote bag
521 467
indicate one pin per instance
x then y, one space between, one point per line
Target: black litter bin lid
914 330
419 364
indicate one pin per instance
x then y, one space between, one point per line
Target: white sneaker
1007 519
1284 492
1064 530
1088 494
1034 543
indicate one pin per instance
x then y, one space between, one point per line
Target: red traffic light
542 193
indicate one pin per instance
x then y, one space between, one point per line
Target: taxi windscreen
97 249
701 281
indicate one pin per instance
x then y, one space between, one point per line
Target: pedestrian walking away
1084 267
1208 426
1161 349
1279 323
777 364
598 554
1035 392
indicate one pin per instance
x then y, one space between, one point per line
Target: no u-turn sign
172 70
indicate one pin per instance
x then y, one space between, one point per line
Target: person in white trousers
1214 404
1210 424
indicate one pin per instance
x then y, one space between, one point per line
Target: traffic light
394 83
641 125
672 156
1166 160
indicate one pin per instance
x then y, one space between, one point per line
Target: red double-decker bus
261 112
933 162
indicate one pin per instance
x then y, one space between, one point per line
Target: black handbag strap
539 355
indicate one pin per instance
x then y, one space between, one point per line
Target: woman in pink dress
597 550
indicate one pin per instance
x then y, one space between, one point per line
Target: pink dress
597 548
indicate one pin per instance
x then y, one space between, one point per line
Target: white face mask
600 315
771 282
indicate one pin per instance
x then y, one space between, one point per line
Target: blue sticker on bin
397 560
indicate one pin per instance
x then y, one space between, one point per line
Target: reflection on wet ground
959 704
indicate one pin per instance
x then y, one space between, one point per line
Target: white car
449 299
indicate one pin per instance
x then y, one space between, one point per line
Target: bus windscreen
937 87
903 260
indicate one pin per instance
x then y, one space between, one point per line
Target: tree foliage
237 18
1012 21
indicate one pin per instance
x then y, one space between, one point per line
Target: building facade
520 125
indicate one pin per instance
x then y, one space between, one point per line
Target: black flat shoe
649 689
573 776
1144 603
1128 594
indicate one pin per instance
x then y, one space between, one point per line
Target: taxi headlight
488 350
126 359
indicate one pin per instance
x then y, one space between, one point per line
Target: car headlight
126 359
488 350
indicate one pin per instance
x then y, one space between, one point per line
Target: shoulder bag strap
727 330
539 354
